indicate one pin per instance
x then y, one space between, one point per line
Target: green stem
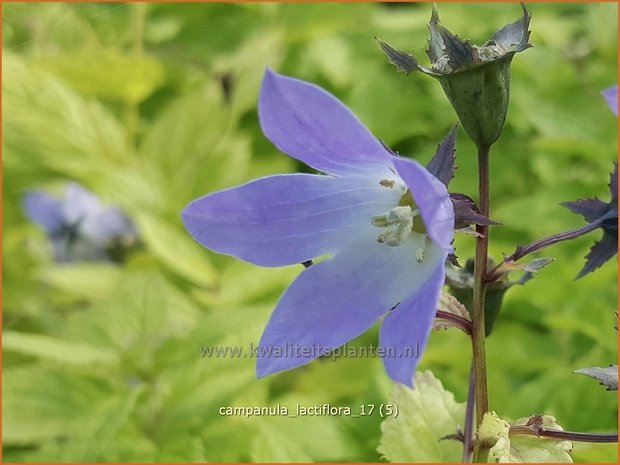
478 331
468 429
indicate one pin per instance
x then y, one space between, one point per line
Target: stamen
419 255
398 223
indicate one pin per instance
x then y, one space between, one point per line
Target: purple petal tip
611 95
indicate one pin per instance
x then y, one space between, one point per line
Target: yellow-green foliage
102 362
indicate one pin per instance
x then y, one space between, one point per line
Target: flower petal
611 95
335 301
44 210
313 126
79 203
104 226
431 196
404 332
285 219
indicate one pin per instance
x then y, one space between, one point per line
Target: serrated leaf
608 376
522 448
133 323
459 52
46 124
450 304
55 349
402 60
590 209
442 165
601 252
175 248
466 213
493 433
426 414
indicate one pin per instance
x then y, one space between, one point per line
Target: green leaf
134 322
332 57
244 282
228 440
425 415
450 304
40 403
273 445
533 449
522 448
177 250
584 452
108 74
83 280
55 349
247 67
187 130
191 149
97 437
48 125
305 438
493 432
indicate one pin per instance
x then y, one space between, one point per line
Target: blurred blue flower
80 227
611 95
386 223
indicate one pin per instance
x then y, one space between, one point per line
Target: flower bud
476 79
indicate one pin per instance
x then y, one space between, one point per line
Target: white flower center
398 224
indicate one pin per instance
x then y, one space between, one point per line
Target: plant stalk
468 430
479 291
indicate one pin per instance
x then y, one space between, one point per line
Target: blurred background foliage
153 105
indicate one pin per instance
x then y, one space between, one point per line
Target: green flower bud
476 79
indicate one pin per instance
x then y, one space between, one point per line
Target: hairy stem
480 271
